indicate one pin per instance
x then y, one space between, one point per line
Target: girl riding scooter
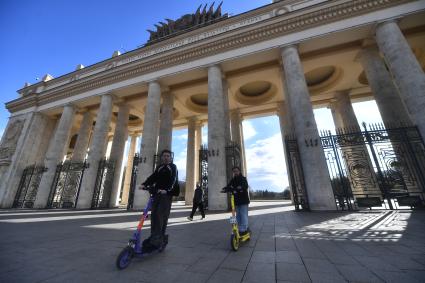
240 188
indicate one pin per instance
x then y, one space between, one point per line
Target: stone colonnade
402 86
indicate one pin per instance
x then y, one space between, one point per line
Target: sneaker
189 218
202 217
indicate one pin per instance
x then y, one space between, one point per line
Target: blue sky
54 36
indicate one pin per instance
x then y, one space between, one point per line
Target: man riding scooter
165 182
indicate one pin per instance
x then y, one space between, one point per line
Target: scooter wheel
234 242
124 258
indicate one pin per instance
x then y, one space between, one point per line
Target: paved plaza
286 246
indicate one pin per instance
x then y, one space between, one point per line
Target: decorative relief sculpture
187 21
11 136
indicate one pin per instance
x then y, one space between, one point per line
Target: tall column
356 157
406 70
216 140
315 170
128 170
190 160
97 151
25 142
55 153
343 112
166 123
390 105
117 152
198 143
82 143
237 135
149 142
226 110
284 122
242 141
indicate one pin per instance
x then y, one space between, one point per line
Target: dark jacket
164 178
241 195
198 197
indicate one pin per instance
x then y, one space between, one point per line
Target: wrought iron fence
66 184
28 186
377 167
103 185
233 158
203 172
296 174
136 161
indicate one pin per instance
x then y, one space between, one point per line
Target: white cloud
182 137
248 130
1 133
367 112
266 164
204 135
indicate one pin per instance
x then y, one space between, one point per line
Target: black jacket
164 178
198 197
241 195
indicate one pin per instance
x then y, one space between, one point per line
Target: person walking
198 201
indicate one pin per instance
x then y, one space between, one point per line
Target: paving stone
292 272
259 272
341 258
375 263
397 277
285 243
320 277
237 260
285 247
191 277
223 275
264 257
356 273
315 265
288 257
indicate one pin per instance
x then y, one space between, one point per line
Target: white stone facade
301 53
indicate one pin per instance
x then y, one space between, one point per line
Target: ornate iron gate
102 191
136 161
233 158
377 167
28 186
203 172
296 174
66 184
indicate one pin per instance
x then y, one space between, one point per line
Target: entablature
262 24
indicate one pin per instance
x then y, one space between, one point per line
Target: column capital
155 82
72 105
121 102
192 118
394 20
280 108
289 46
368 45
83 110
214 66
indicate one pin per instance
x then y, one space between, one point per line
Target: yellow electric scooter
235 239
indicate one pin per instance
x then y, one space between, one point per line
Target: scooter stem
144 215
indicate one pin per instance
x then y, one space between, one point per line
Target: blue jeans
242 217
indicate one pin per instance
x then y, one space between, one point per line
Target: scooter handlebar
227 190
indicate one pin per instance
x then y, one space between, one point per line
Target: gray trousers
161 207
